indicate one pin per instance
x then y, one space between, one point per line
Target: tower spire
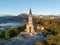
29 27
30 11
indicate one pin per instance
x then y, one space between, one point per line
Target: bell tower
30 11
29 27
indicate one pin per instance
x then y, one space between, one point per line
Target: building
29 27
40 27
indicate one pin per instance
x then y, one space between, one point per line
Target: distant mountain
49 16
24 17
20 18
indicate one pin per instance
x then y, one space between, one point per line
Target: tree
50 40
14 31
2 34
54 28
7 34
21 28
45 33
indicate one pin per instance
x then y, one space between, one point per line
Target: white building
29 27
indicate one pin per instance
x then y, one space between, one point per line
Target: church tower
29 27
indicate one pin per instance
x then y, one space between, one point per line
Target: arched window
29 29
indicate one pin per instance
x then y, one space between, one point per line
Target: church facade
29 27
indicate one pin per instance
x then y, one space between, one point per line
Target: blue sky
22 6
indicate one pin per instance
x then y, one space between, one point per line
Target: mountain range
24 17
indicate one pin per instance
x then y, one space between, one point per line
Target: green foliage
13 31
52 30
7 34
50 39
45 33
2 34
21 28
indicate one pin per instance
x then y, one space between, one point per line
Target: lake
11 24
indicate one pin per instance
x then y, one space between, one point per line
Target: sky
42 7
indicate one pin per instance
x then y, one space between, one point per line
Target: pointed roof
30 12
